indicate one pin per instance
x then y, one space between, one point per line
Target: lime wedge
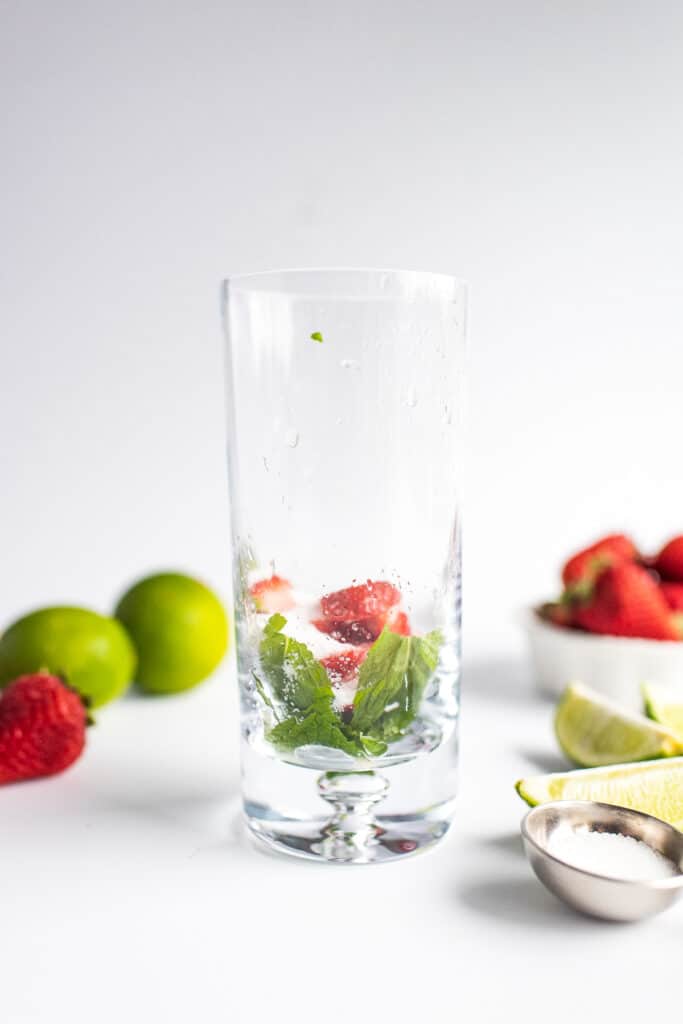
665 705
655 787
593 731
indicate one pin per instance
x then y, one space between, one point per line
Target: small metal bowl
612 899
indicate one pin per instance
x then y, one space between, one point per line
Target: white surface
127 887
149 149
615 666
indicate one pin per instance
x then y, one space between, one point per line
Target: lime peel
654 787
593 731
664 704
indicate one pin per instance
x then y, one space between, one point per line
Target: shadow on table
500 678
519 901
508 843
543 761
198 806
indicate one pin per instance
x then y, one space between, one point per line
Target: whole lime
179 628
91 652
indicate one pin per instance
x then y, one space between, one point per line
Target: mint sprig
391 684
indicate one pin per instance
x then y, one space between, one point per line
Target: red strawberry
371 598
669 561
359 614
626 601
673 592
42 727
582 568
342 667
352 631
272 595
400 624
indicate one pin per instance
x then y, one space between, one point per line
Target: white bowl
616 666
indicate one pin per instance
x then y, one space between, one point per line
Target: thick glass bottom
352 817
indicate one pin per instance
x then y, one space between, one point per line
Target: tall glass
345 444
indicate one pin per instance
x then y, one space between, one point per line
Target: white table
129 891
151 149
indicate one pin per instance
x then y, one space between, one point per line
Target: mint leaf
391 683
295 677
274 624
371 746
261 690
301 683
317 336
382 676
424 657
319 725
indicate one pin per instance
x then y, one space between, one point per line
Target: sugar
610 853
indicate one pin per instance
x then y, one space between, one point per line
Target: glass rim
449 282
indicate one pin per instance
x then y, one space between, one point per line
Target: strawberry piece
42 727
626 601
343 667
673 593
352 631
358 614
400 624
376 597
272 595
669 561
583 568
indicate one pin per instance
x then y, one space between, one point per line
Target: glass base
391 837
351 817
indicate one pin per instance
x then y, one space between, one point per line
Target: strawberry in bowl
618 622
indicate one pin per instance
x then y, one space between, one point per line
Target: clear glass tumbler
344 438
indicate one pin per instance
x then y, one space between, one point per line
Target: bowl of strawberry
617 623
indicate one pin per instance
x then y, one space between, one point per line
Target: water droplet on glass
411 398
350 364
292 438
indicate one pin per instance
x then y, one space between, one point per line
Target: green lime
179 628
92 652
593 731
655 787
665 705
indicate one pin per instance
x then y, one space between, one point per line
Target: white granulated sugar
319 644
610 854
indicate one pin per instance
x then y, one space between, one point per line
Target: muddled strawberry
272 595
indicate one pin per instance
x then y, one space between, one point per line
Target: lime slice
655 787
593 731
665 705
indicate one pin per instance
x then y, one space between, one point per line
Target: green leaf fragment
317 336
291 670
392 682
382 676
319 725
371 746
261 690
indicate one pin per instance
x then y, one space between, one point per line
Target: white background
148 150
